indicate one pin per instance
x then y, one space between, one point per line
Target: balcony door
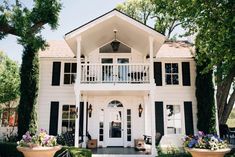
113 70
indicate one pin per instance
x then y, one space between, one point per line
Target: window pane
101 131
74 67
173 119
101 138
128 112
168 79
67 67
168 67
175 79
174 68
129 138
66 78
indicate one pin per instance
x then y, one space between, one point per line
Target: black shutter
159 117
158 73
56 74
186 73
54 118
188 115
81 116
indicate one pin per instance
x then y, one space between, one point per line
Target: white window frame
181 116
69 119
70 73
179 74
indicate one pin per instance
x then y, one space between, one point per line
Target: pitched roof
176 49
58 49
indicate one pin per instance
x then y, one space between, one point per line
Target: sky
73 14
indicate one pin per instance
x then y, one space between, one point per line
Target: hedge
9 150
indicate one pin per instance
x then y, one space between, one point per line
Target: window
173 114
68 118
70 70
9 117
128 124
172 73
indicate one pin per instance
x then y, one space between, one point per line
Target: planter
38 151
207 153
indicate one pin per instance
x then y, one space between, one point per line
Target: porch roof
99 31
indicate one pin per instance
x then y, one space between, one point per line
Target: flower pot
38 151
207 153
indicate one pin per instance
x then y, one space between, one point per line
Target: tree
145 10
205 99
26 24
213 22
9 83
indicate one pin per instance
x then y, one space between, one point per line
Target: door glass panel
107 70
122 69
115 124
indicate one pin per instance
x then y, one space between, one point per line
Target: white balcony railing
114 73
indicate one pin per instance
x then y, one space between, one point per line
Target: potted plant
39 145
205 145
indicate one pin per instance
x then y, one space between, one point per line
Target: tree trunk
29 74
224 104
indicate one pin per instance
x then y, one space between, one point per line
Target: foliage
8 149
171 152
41 139
140 10
146 10
76 152
9 79
27 23
205 99
204 141
213 22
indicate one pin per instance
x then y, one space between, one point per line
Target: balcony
115 73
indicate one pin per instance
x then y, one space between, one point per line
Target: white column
153 127
151 73
77 91
77 94
84 121
146 117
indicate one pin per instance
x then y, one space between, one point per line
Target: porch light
82 56
115 44
140 109
89 110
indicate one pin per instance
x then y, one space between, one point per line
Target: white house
117 94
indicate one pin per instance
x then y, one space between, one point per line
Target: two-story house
118 80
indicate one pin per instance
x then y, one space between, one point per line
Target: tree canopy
9 79
146 10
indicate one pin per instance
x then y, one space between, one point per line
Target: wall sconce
82 56
89 110
147 56
140 109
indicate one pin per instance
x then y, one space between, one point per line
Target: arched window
115 103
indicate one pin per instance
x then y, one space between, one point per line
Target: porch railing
114 73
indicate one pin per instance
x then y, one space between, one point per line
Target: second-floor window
171 73
70 70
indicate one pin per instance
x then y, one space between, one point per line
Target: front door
114 123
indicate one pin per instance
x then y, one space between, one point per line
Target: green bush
9 150
76 152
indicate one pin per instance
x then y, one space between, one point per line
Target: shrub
9 150
76 152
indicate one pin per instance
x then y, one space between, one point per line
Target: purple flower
192 143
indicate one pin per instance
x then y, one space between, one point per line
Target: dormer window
171 73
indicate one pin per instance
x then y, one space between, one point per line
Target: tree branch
37 25
7 29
